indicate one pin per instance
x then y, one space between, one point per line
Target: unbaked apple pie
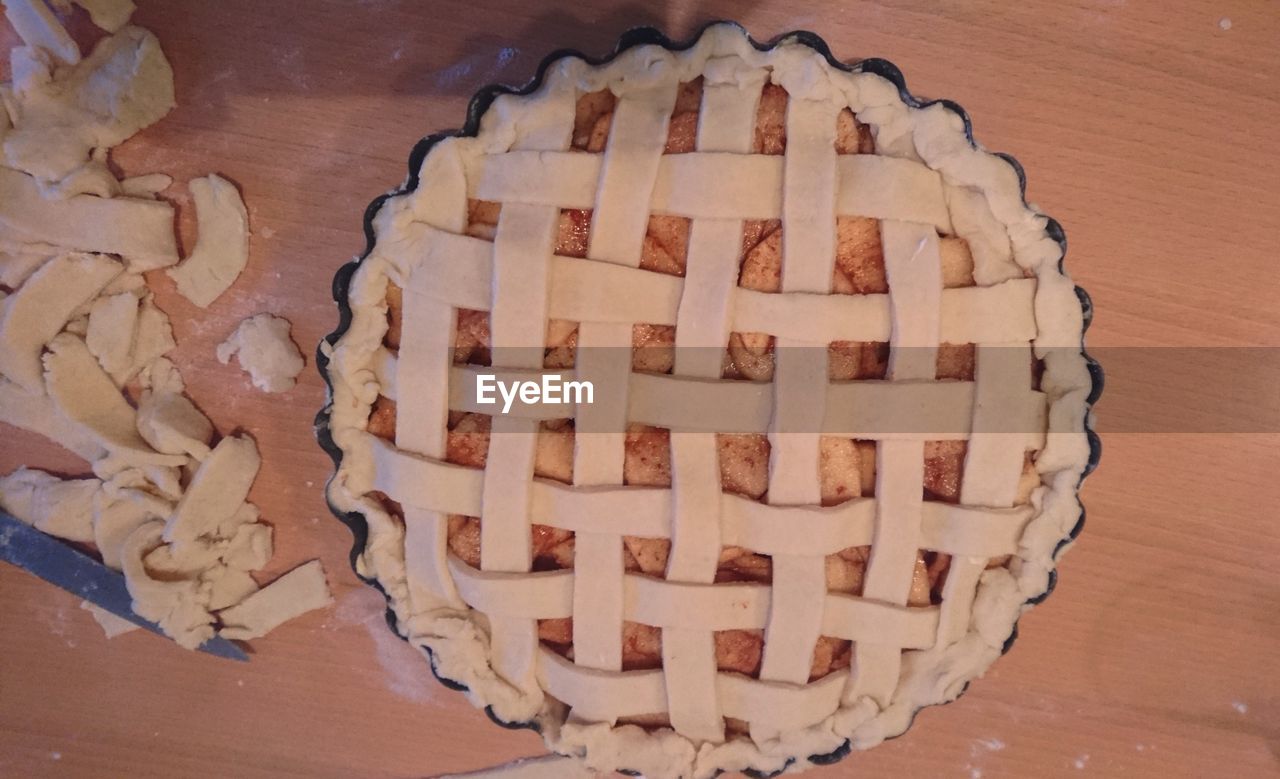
839 412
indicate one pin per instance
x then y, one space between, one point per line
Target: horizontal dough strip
668 604
873 410
716 185
458 270
607 695
646 512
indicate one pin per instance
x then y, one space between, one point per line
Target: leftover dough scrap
37 26
110 15
62 508
146 186
18 260
250 547
113 320
92 178
111 624
301 590
172 424
262 345
154 337
212 501
140 231
227 586
222 241
129 281
35 412
76 327
83 393
161 375
177 606
40 308
120 511
62 114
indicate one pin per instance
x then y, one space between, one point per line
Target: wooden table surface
1149 130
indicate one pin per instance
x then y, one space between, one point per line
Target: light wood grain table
1150 130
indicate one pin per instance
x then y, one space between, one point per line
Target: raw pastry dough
250 547
92 178
35 412
161 375
154 336
111 624
209 506
34 314
110 15
222 241
177 606
140 231
83 393
227 586
113 320
61 115
56 124
301 590
62 508
146 186
38 27
172 424
263 347
471 600
18 260
118 512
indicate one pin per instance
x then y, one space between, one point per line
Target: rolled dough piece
59 507
172 424
35 412
61 115
18 492
111 624
265 351
165 481
161 375
227 586
83 393
250 548
78 326
113 320
91 178
240 540
110 15
154 337
37 26
128 281
179 606
34 314
119 512
211 504
141 231
301 590
189 563
222 241
18 260
148 185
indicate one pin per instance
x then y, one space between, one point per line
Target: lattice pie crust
697 589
